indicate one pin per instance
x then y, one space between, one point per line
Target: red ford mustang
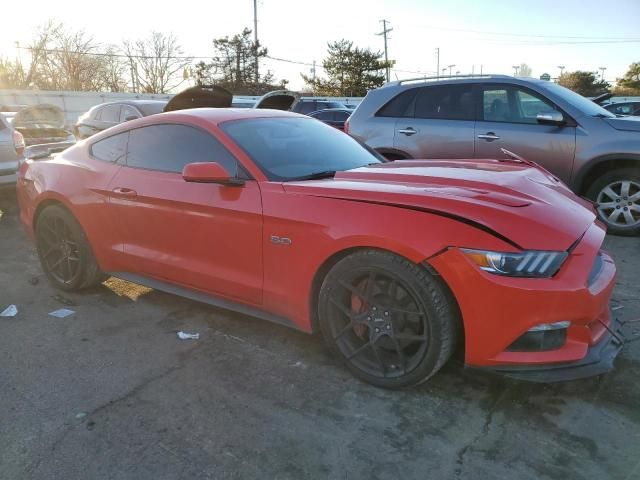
279 216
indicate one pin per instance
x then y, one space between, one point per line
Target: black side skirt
204 298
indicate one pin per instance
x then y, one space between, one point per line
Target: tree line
60 58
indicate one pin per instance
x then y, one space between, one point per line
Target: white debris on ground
10 311
62 313
188 336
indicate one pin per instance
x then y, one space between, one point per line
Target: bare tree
63 59
156 63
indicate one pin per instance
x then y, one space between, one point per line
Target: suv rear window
398 106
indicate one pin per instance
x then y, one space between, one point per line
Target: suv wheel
617 195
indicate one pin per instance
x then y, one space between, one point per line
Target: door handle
489 137
125 192
408 131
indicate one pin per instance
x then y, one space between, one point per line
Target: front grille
595 269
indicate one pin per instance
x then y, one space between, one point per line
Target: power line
508 34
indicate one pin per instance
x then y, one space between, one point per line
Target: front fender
320 229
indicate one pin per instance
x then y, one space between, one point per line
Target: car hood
39 116
517 202
211 96
631 124
278 100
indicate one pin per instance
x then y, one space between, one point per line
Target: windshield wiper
314 176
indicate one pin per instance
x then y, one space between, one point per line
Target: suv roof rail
446 77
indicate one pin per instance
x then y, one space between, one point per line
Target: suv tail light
346 126
18 143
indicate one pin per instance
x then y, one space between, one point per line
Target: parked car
624 108
40 124
11 152
586 146
307 105
106 115
277 215
333 116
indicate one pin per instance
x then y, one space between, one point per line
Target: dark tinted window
329 104
111 149
286 148
341 116
110 113
399 105
447 102
324 116
306 107
170 147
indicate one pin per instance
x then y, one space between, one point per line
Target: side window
98 114
446 102
110 113
326 116
495 105
307 107
399 105
529 106
127 112
512 105
169 148
111 149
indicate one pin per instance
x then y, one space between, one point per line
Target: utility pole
481 69
602 69
255 36
386 56
561 67
444 72
450 67
515 70
438 62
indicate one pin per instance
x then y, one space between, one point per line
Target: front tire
391 322
617 195
64 251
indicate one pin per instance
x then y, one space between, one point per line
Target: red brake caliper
358 306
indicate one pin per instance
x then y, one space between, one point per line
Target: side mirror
209 172
128 118
551 118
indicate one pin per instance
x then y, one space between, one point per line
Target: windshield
583 104
151 108
286 149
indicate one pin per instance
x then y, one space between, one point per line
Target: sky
490 34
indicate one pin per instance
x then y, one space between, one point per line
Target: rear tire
617 194
392 323
64 251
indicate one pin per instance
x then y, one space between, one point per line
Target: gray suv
594 152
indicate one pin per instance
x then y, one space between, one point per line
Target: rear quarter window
399 105
111 149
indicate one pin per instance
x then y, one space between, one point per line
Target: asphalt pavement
110 392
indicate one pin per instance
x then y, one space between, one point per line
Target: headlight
523 264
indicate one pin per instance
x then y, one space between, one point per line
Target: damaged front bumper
598 360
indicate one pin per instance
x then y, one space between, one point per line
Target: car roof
198 116
132 102
447 80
